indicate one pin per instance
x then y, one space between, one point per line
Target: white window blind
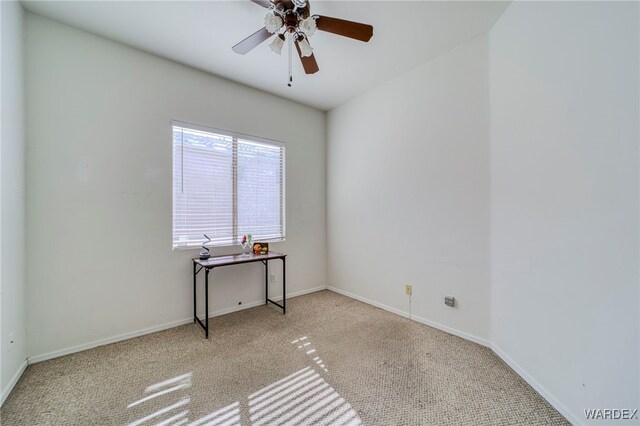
226 185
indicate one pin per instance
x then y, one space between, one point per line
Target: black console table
235 259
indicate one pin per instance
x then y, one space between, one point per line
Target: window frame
234 136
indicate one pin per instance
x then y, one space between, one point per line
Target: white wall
564 199
12 198
99 179
424 170
408 192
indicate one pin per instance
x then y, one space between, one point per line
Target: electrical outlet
272 278
12 340
449 301
408 289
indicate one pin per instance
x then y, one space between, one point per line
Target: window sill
225 246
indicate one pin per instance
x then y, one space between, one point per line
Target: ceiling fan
291 20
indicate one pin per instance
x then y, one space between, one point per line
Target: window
226 185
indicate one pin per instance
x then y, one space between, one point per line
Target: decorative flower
308 26
244 239
273 22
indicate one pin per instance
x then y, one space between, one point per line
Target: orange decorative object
260 248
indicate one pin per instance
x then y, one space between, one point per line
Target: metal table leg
284 287
204 326
266 282
266 265
206 302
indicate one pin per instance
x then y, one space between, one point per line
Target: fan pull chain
290 59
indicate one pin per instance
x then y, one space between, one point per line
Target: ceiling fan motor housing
290 12
291 21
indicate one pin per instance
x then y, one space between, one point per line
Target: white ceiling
200 34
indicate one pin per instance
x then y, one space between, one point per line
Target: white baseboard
300 293
446 329
555 403
454 331
368 301
261 302
101 342
12 383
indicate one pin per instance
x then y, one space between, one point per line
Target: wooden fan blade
252 41
356 30
308 62
263 3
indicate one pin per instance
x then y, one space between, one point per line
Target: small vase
246 249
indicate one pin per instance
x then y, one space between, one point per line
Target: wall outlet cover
408 289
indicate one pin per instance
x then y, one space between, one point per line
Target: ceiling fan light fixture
305 48
276 44
299 3
273 22
308 26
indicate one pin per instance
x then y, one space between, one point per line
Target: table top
235 259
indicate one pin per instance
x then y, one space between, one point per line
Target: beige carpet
330 360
